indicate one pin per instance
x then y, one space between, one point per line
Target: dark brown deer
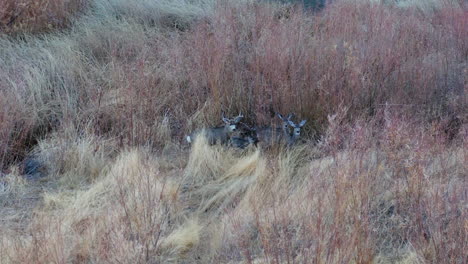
247 136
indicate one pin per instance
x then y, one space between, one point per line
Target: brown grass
33 16
104 106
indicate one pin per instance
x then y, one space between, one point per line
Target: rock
33 168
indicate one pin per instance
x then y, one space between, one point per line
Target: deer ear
280 116
291 123
302 123
290 116
225 120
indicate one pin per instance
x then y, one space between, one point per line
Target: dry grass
103 106
28 16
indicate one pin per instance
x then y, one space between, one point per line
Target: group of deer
237 134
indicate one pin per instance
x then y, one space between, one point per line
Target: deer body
242 142
247 137
217 135
213 135
242 136
272 135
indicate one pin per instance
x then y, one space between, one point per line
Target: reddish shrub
259 59
36 15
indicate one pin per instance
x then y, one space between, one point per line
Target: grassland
97 96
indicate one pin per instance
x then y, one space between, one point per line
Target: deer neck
227 131
295 136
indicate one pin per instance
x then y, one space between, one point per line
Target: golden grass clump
76 160
183 239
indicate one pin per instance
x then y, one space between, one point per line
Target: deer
247 137
220 134
296 131
271 135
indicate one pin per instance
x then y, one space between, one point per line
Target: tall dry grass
104 105
131 75
400 201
